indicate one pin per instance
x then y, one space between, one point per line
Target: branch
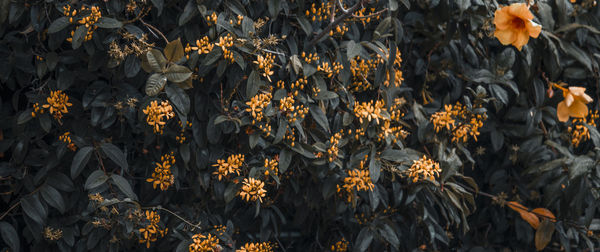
174 214
372 14
346 13
10 209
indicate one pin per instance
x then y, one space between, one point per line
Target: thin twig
155 29
10 209
174 214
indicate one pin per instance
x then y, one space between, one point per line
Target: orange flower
514 25
574 103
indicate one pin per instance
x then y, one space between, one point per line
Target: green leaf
108 23
177 73
174 51
123 185
179 98
58 25
24 117
248 26
594 135
285 158
363 240
156 60
79 36
80 160
253 84
9 236
374 166
353 49
543 235
389 235
306 26
581 165
319 116
155 83
189 12
53 198
132 66
308 69
115 154
97 178
159 4
33 208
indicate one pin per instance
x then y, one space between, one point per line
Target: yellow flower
424 168
252 190
57 104
359 180
256 247
162 175
156 113
514 25
202 243
232 165
574 104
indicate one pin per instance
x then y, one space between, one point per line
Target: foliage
299 125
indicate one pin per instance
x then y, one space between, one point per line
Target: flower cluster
265 64
203 46
66 138
359 180
92 17
181 138
366 15
162 175
211 19
229 166
339 30
57 104
272 166
424 168
398 78
319 13
52 234
579 132
252 189
256 247
460 121
397 132
367 111
156 114
133 45
291 111
225 42
37 110
325 68
333 150
152 231
361 70
203 243
257 105
340 246
310 57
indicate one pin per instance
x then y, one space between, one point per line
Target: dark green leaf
109 23
79 36
10 236
115 154
97 178
80 160
189 12
123 185
33 208
177 73
179 98
155 83
319 116
53 198
58 25
363 240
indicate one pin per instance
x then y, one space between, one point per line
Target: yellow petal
520 10
533 29
506 37
521 40
502 19
578 109
562 112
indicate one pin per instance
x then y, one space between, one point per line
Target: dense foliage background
293 125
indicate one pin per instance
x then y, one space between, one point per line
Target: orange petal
502 19
569 99
562 112
545 212
533 29
520 10
578 109
521 40
505 37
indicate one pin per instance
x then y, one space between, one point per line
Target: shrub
293 125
